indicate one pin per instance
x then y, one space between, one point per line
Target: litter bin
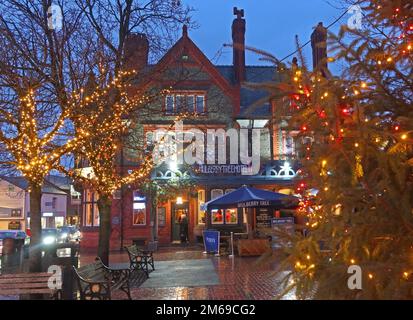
11 256
12 242
9 246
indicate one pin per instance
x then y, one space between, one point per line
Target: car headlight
64 235
49 240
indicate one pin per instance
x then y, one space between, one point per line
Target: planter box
253 247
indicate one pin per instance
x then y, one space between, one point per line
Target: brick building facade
215 95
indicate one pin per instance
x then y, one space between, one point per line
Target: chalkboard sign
263 218
284 225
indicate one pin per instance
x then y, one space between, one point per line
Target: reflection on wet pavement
188 274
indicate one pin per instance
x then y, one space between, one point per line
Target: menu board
263 217
284 225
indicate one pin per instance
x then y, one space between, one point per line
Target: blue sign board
211 241
282 221
284 225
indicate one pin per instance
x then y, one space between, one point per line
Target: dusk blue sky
271 25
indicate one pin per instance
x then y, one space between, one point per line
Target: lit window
288 144
231 216
139 209
227 216
201 201
90 209
217 217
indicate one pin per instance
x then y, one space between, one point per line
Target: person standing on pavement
183 224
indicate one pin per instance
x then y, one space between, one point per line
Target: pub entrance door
177 211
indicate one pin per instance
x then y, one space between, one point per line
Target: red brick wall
130 232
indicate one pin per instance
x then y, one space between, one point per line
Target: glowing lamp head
179 200
49 240
173 166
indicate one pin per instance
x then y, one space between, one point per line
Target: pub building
214 94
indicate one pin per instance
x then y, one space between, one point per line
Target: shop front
209 185
137 218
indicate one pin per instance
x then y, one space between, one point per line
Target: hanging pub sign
263 218
211 241
14 225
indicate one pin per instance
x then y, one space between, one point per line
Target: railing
274 169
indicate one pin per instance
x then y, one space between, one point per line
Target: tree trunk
154 217
35 259
104 204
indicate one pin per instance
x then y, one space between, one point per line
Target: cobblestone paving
239 278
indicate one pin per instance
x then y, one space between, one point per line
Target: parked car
51 236
69 233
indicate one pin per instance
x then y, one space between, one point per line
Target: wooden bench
28 284
97 281
140 259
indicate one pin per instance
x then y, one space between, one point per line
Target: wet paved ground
188 274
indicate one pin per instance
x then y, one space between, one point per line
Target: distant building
15 204
74 201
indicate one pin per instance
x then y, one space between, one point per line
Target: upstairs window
193 102
200 104
288 144
169 104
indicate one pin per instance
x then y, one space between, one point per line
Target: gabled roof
61 182
186 45
22 183
253 102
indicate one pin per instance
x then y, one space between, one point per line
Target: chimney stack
238 40
136 52
319 46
